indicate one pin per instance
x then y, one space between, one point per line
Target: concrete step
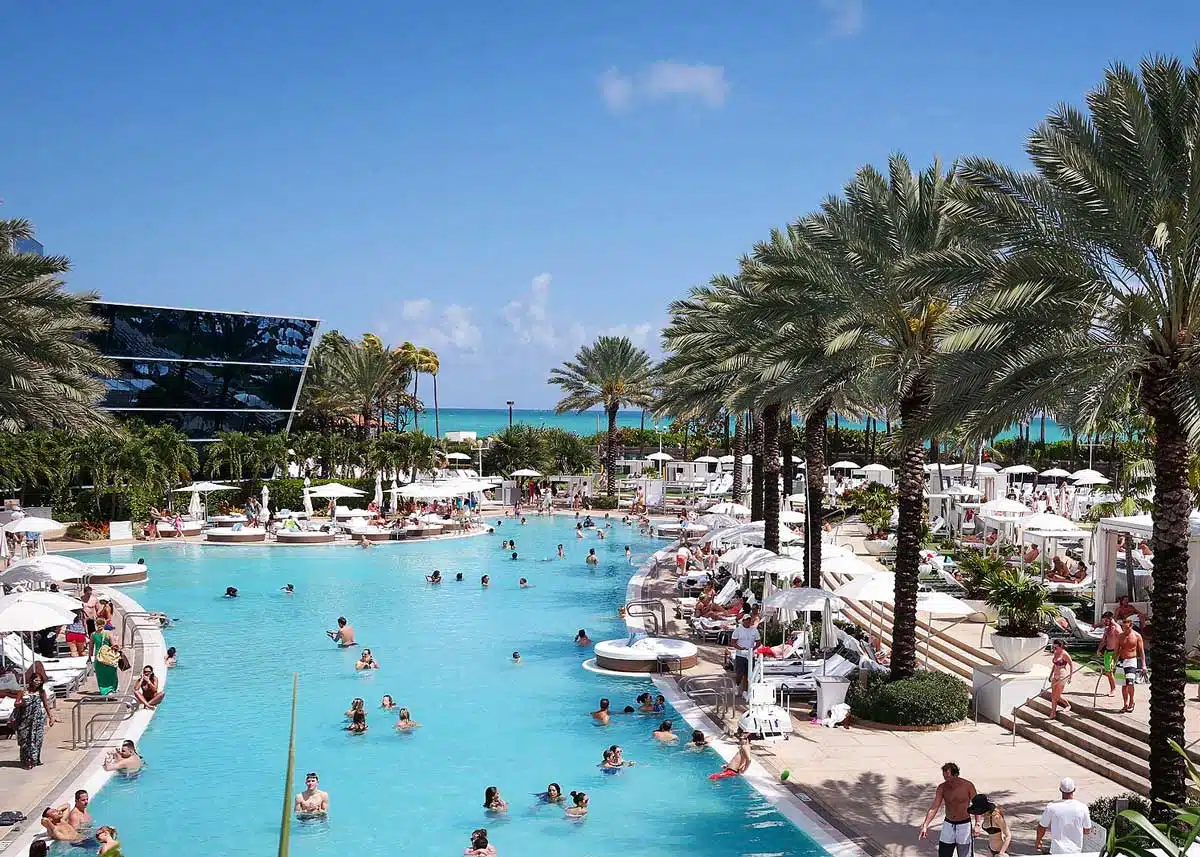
1079 720
943 658
1131 731
1103 753
1063 747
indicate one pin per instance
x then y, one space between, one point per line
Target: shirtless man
57 826
956 793
312 801
78 816
1131 654
125 759
344 635
602 714
1108 649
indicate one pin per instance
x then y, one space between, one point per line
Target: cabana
1113 577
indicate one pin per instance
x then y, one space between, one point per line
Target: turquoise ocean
487 421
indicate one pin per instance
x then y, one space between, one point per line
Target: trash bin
831 691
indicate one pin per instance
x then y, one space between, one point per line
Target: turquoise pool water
216 752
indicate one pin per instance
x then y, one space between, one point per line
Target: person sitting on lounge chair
1031 555
879 651
783 650
1060 572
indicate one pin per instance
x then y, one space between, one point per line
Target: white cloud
530 318
413 310
460 329
846 16
638 334
664 80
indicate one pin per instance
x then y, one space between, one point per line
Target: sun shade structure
334 490
525 471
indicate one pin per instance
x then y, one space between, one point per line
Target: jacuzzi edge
792 808
154 653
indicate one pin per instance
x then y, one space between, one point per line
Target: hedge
1104 810
926 699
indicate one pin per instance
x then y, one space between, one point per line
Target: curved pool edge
88 773
763 781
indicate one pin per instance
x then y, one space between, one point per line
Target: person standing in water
344 635
312 801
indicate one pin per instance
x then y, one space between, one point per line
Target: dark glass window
153 332
155 384
204 425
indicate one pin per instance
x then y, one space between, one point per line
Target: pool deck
874 786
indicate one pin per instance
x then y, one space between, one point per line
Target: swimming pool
216 752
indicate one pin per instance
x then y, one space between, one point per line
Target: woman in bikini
147 691
1062 670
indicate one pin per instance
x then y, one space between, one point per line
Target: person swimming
592 559
516 657
436 577
581 638
312 802
602 714
485 581
579 805
172 657
664 732
524 584
366 661
358 723
405 723
480 847
552 794
561 552
231 592
514 555
288 589
492 801
458 577
356 704
344 635
387 703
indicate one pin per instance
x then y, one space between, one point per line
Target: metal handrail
648 608
130 627
129 707
77 726
718 688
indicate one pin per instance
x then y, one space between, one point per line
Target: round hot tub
645 655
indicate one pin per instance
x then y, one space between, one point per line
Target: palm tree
49 372
419 453
433 365
232 452
1099 289
611 372
514 448
363 373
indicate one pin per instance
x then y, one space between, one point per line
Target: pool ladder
125 707
648 609
719 692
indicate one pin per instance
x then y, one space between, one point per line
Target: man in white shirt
1067 821
745 640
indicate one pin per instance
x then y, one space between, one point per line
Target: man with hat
1067 821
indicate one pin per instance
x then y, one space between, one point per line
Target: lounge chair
1076 630
1060 586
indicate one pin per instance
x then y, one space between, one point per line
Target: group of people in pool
74 824
356 714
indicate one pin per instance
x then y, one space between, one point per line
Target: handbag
122 662
107 655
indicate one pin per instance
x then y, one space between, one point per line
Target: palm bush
1021 600
978 569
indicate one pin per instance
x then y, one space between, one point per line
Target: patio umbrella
941 605
1055 473
394 500
660 456
1085 473
195 508
32 524
21 613
843 465
829 638
1050 522
1092 479
457 456
778 565
378 491
34 571
525 471
308 507
735 509
876 468
739 556
708 459
717 522
334 491
802 599
877 588
265 497
1004 508
1018 469
789 516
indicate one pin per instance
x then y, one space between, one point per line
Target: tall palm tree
610 372
363 373
232 452
49 373
432 365
1100 288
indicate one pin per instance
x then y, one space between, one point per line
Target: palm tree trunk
1172 506
914 410
416 378
725 429
610 453
686 425
814 452
787 439
770 467
437 424
756 466
739 449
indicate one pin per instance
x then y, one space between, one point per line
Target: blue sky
499 181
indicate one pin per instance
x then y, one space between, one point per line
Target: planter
982 613
877 547
1018 654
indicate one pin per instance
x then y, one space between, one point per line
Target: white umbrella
987 465
796 498
717 522
694 527
660 456
739 556
844 565
32 524
335 490
1004 508
964 491
1055 473
205 487
20 613
308 507
735 509
778 565
34 571
941 605
789 516
829 638
709 459
1018 469
802 599
56 600
195 508
378 491
265 497
395 496
843 465
1092 479
878 587
876 468
725 459
457 456
525 471
1085 473
1049 522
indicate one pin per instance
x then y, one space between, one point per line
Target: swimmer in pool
618 758
601 715
579 806
358 723
552 794
356 705
664 733
698 742
406 722
364 543
344 635
592 559
480 847
492 801
578 531
312 802
561 553
366 661
109 844
436 577
231 592
288 589
524 583
628 552
645 704
126 759
514 555
57 828
485 581
581 638
172 657
740 761
523 521
516 658
388 703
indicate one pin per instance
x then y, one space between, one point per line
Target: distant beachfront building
204 371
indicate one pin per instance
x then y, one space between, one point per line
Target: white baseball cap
1067 786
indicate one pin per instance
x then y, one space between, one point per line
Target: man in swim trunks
957 794
312 801
57 827
1131 654
1108 649
344 635
78 816
602 714
126 759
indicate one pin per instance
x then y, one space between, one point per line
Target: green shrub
1104 810
927 699
603 503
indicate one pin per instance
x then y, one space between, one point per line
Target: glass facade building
204 371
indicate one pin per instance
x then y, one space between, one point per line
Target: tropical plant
1097 292
566 453
230 454
977 568
1021 601
49 373
1175 831
611 372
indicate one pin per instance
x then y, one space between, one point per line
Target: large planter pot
983 613
1018 654
877 547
